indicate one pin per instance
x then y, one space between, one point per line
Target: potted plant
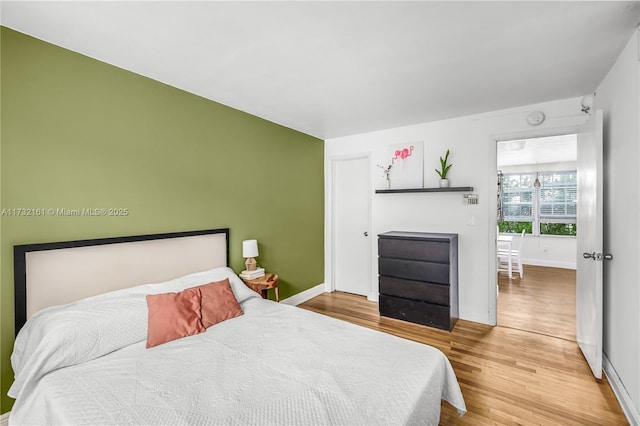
444 169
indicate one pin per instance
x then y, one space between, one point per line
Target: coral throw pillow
173 315
218 303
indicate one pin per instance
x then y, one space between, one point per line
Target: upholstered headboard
51 274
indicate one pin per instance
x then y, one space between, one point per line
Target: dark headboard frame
20 260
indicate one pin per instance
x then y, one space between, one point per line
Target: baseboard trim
548 263
303 296
626 403
4 419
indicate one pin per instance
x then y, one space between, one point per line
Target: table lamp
250 251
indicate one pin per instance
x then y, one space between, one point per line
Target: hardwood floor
507 376
543 301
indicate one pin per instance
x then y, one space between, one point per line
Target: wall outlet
471 220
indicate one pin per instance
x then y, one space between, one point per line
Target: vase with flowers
386 171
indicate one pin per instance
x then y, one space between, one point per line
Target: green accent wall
78 133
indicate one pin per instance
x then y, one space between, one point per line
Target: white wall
472 141
551 251
547 167
619 96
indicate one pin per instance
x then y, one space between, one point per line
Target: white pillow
78 332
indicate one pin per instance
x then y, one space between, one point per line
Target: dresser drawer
416 290
414 270
425 250
416 312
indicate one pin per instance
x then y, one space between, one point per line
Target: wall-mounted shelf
450 189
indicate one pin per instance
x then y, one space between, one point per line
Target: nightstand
264 283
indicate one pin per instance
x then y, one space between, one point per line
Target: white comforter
275 364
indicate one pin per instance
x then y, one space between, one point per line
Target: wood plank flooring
543 301
507 376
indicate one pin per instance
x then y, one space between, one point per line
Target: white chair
507 254
503 245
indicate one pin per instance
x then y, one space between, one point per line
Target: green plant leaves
444 168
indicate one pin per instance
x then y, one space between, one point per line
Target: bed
80 355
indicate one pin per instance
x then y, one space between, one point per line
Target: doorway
351 195
538 196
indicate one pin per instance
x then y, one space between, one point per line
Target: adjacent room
315 212
536 243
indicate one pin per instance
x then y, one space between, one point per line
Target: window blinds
555 201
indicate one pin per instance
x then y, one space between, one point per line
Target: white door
351 241
589 243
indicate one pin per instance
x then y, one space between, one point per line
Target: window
558 198
547 209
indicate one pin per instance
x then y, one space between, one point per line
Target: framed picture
407 166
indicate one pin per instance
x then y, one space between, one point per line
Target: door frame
493 195
330 215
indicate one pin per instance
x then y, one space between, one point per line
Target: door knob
597 256
365 233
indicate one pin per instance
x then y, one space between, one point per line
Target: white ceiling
331 69
552 149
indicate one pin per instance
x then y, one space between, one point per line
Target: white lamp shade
250 248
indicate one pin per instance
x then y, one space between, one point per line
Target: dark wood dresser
418 277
